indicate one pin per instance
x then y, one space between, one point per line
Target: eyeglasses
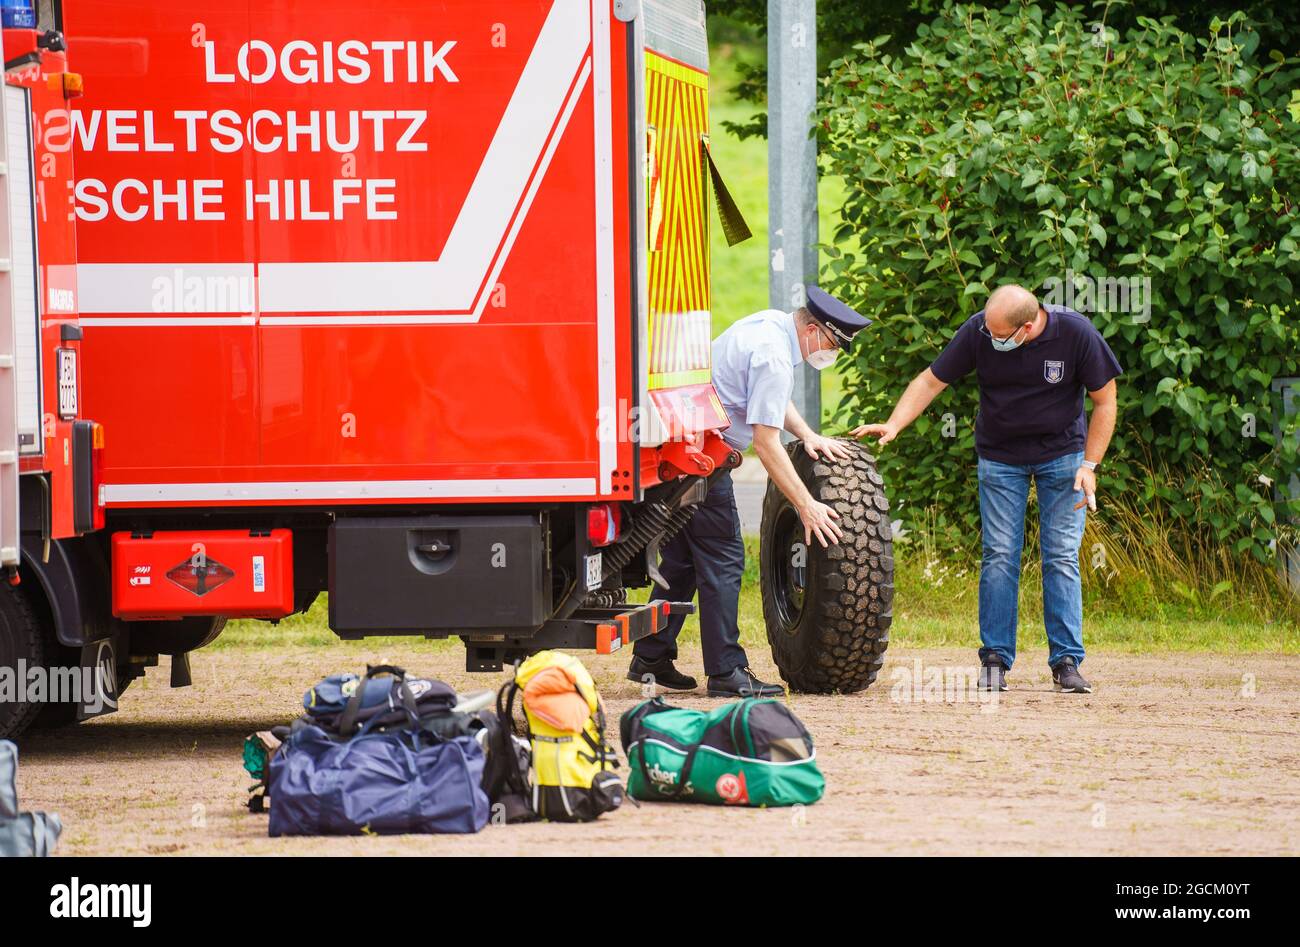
984 328
826 334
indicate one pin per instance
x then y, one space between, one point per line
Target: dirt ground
1173 754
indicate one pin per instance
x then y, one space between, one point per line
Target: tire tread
838 647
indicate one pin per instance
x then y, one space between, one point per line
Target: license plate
67 383
595 572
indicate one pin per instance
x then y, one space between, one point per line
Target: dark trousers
708 556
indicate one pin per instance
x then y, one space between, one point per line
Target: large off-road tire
828 610
20 639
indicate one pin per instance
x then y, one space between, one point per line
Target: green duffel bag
749 753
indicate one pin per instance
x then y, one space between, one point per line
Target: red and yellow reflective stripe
677 106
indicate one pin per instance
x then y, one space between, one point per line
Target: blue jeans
1004 494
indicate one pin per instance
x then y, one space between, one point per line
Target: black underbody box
438 575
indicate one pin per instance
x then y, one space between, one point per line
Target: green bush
1015 145
843 23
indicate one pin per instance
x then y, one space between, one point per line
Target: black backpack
509 758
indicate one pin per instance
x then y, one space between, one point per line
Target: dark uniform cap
842 321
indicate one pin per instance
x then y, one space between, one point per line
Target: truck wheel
828 610
20 640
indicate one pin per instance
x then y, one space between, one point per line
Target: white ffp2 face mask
821 359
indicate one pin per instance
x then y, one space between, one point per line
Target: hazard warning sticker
200 575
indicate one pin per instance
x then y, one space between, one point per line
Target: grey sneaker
1067 679
993 675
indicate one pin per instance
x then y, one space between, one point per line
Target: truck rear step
603 630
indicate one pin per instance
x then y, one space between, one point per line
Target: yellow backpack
572 765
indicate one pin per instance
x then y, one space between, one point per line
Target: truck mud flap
603 630
99 677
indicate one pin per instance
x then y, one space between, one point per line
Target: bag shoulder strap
348 719
688 764
516 777
632 719
506 708
654 706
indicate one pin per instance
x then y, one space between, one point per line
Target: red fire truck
404 303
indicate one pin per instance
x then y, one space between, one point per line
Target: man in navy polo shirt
1033 364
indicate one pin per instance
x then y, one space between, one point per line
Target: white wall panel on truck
22 259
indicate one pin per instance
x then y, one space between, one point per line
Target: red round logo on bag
730 787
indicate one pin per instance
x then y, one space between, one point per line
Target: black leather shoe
1067 679
742 683
664 673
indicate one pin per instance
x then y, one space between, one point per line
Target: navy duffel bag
389 783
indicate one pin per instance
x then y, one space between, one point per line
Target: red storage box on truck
170 575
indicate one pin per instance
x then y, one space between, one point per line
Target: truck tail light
71 84
97 472
87 450
603 523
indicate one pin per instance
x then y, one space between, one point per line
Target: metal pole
1289 561
792 171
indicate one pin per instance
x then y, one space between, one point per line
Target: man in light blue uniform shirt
753 373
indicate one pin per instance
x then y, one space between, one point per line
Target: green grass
938 606
308 630
933 607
